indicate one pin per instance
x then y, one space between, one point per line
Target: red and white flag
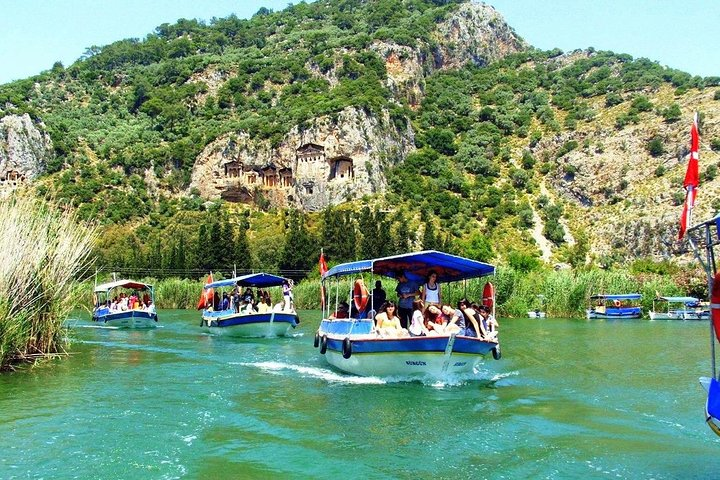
323 271
692 179
206 297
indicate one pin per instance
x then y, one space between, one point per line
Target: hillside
402 123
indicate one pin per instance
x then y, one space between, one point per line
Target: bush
655 147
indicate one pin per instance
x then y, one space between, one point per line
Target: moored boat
125 304
245 319
539 311
677 308
354 345
620 306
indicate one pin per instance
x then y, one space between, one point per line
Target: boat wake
323 374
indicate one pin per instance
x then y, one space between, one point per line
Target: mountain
406 123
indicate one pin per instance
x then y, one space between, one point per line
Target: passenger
341 311
387 322
378 296
146 298
263 307
287 295
435 321
216 301
417 323
431 290
455 318
406 291
248 296
225 305
236 296
473 321
279 307
491 325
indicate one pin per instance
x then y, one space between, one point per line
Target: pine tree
202 259
241 255
300 251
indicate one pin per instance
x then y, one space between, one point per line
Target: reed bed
45 250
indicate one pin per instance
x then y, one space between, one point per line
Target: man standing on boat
406 291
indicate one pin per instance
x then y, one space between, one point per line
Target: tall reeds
44 251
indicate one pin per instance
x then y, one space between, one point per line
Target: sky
681 34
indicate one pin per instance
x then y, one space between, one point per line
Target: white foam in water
104 327
323 374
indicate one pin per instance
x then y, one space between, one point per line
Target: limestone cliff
24 150
329 162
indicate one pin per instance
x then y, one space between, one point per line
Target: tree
300 252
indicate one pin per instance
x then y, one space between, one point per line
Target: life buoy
360 295
323 344
497 354
347 348
715 305
616 303
488 296
316 342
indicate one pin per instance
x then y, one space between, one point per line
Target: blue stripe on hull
413 344
129 318
243 319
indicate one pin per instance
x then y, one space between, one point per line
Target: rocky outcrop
25 149
476 33
333 160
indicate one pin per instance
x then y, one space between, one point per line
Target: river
569 399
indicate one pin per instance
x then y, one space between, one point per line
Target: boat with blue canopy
125 304
618 306
678 308
356 346
243 318
703 239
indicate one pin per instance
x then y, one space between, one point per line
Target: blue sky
681 34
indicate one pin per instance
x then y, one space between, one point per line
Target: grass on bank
44 251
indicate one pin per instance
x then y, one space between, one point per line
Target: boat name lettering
460 364
416 363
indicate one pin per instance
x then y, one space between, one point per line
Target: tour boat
620 306
703 239
278 320
353 346
539 311
123 313
678 308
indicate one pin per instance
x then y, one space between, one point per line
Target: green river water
569 399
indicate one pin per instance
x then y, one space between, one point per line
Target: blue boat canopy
680 299
416 265
621 296
251 280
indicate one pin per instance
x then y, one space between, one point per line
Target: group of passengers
421 312
125 302
246 302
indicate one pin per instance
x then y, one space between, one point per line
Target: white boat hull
679 316
536 314
591 314
404 364
271 324
128 319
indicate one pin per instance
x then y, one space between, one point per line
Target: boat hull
679 315
536 314
365 354
128 319
253 325
615 313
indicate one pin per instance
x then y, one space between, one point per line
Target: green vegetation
50 250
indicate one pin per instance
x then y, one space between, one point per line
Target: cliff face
338 159
331 161
24 150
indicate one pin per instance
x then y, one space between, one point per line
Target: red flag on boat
323 271
692 179
206 297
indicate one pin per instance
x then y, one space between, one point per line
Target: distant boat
539 312
678 308
620 306
245 321
125 304
354 345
